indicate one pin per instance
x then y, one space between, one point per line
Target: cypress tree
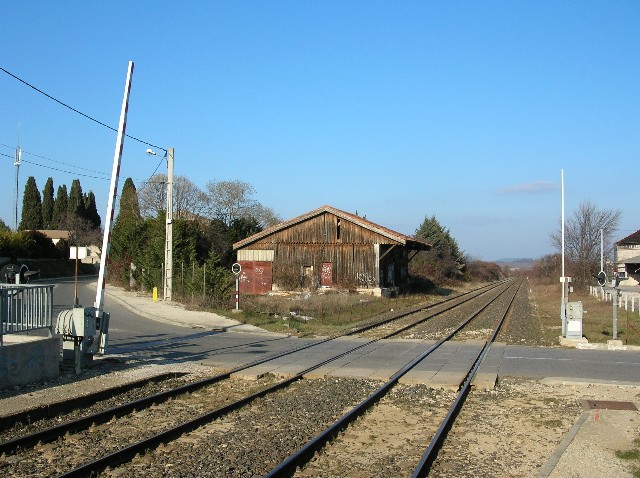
75 206
60 207
128 229
91 210
31 206
129 205
47 204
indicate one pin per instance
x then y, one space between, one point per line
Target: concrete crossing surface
445 367
227 344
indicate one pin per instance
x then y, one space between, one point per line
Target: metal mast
16 163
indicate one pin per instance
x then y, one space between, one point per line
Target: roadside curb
555 457
176 314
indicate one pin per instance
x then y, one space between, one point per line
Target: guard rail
24 308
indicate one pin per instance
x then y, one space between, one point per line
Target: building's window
338 230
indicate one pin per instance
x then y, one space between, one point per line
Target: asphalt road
128 331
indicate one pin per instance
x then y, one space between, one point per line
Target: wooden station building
326 248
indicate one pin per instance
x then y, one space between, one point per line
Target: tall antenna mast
16 163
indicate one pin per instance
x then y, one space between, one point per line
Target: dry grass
597 324
324 314
330 312
305 313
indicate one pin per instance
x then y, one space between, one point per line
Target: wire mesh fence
193 283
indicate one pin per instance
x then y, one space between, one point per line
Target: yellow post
155 294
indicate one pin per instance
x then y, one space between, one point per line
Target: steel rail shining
302 455
52 410
431 453
52 433
127 453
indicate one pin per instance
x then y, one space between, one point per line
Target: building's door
326 276
256 277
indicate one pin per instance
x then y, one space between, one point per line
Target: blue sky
398 110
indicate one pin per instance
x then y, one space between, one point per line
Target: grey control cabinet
574 313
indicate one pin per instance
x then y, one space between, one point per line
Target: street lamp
168 243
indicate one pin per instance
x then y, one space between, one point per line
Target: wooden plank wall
350 249
353 264
323 229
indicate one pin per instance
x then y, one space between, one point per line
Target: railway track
296 460
172 414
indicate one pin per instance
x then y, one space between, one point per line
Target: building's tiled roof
396 236
55 233
631 239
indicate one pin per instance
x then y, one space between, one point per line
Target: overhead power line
65 164
102 173
78 111
64 171
59 162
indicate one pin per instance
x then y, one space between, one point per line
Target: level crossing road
135 335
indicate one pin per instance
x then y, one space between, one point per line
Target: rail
127 453
24 308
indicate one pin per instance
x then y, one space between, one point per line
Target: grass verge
597 323
323 314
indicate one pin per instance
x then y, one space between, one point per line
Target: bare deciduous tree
152 196
188 199
582 237
265 216
229 200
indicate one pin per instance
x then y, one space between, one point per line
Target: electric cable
64 171
78 111
66 164
107 175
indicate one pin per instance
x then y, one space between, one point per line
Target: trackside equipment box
574 313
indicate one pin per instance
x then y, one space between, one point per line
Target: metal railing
24 308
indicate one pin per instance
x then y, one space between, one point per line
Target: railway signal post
236 269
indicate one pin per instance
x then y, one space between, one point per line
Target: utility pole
168 245
601 249
563 279
16 163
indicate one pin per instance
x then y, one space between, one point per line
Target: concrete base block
447 380
572 342
314 375
253 373
28 359
485 381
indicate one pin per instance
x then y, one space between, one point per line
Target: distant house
628 258
326 248
56 235
90 254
